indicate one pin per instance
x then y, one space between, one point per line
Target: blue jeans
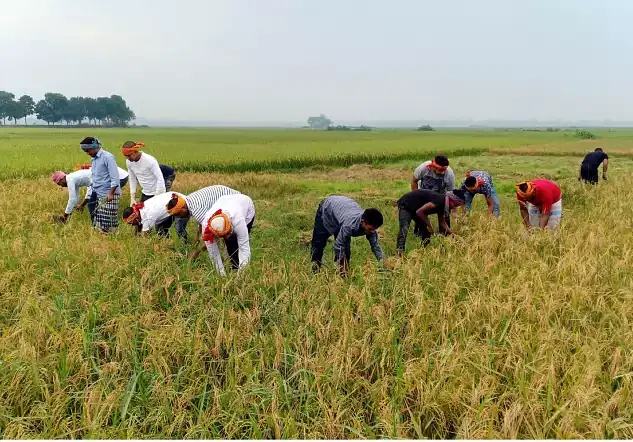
493 194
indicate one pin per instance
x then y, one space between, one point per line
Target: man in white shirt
152 213
230 218
145 168
74 181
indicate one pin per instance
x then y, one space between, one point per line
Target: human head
131 150
439 164
456 198
59 178
598 149
525 190
471 183
132 216
177 206
90 145
371 221
219 225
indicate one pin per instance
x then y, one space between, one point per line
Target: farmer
343 218
435 175
417 205
81 177
153 177
480 182
152 213
590 164
197 204
540 203
106 186
230 218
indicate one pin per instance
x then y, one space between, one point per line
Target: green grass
33 152
485 335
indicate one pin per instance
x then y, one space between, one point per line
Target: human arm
243 242
524 214
160 180
132 180
113 172
73 197
414 183
421 214
342 246
375 246
491 204
214 254
443 224
605 166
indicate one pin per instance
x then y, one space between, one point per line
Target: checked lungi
106 214
554 217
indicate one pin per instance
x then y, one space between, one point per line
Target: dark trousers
232 247
319 240
589 174
404 219
163 228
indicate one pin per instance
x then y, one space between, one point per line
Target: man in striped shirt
197 204
343 218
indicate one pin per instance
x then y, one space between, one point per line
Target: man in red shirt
540 202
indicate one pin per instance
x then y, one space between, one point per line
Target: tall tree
102 110
118 111
52 108
14 111
44 112
6 98
76 110
28 106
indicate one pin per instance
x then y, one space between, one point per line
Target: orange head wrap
179 205
136 213
131 149
437 167
210 233
82 167
529 192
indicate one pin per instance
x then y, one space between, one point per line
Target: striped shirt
201 201
341 217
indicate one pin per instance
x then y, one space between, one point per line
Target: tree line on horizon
56 108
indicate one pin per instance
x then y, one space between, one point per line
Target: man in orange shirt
540 202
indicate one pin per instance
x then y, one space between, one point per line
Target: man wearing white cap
230 218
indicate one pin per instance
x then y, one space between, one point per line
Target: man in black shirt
590 165
417 205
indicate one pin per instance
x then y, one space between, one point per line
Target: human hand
110 197
79 207
604 176
60 218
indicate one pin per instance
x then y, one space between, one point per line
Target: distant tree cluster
345 128
425 128
55 108
320 122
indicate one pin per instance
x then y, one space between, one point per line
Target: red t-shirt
547 193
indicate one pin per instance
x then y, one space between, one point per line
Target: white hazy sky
284 60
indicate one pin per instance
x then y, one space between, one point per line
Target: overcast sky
284 60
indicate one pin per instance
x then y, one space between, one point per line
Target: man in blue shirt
106 193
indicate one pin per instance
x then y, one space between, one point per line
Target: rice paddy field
489 334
